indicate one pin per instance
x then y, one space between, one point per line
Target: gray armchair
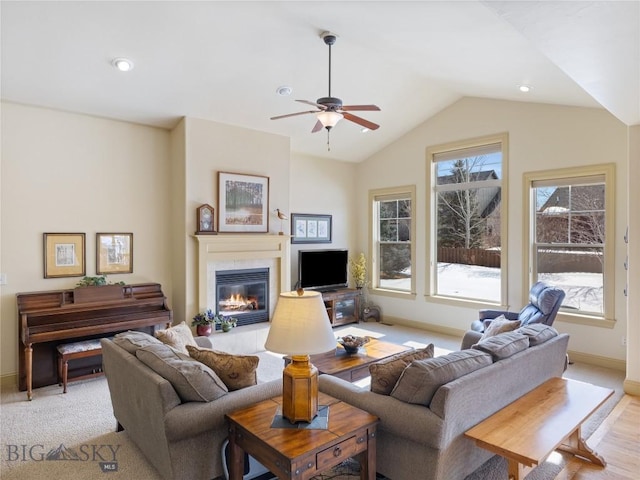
544 303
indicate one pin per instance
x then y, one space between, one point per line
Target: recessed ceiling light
284 90
365 130
122 64
525 88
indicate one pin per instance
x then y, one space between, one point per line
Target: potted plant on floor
203 322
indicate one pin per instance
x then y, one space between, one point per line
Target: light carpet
78 428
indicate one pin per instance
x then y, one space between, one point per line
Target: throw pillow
500 325
503 345
420 380
178 337
385 373
131 341
236 371
538 333
192 381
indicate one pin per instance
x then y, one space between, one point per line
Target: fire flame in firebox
238 303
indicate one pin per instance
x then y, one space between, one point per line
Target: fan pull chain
328 146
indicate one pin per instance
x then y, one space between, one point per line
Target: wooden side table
300 453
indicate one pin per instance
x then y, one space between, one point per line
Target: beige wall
213 147
540 137
632 383
63 172
322 186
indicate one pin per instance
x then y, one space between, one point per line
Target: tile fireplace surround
230 252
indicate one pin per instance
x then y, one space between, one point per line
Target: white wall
540 137
63 172
321 186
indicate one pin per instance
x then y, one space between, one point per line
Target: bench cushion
77 347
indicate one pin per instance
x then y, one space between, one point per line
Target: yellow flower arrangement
358 267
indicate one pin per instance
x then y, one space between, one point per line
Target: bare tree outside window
570 225
468 200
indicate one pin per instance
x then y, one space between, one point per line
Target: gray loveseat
182 440
426 441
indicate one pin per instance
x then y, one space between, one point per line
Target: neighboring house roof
585 197
488 197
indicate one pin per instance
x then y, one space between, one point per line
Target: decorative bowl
351 343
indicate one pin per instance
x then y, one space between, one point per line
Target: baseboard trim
597 360
454 332
9 380
631 387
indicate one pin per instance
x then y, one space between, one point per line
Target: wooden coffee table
547 418
353 367
301 453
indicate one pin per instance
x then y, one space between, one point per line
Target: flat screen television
323 269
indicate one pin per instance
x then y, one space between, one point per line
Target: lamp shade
300 325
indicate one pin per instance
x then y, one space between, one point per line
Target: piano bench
74 351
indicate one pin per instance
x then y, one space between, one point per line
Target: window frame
375 195
432 228
566 175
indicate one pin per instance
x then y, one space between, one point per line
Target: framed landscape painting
64 255
243 203
308 228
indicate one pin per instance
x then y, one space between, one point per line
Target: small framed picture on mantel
205 216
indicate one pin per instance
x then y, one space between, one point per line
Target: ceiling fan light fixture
329 119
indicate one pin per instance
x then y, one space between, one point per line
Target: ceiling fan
330 110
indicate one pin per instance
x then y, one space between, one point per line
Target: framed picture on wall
64 255
309 228
114 253
243 204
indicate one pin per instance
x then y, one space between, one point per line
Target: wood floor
617 439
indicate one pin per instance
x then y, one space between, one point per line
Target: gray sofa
182 440
427 442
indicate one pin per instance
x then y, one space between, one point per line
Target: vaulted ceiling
223 61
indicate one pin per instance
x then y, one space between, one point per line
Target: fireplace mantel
216 249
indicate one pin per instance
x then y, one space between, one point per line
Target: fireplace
243 294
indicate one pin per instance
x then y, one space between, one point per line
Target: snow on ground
584 291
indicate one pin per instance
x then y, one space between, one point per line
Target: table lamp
300 327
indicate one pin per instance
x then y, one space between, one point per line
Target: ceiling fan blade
317 127
361 121
322 107
293 114
369 108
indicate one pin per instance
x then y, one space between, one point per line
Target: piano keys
46 319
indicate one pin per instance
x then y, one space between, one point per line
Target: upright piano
47 319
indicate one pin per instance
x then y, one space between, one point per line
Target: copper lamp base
300 390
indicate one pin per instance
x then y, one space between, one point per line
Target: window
392 234
467 220
571 214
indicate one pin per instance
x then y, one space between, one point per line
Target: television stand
343 305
